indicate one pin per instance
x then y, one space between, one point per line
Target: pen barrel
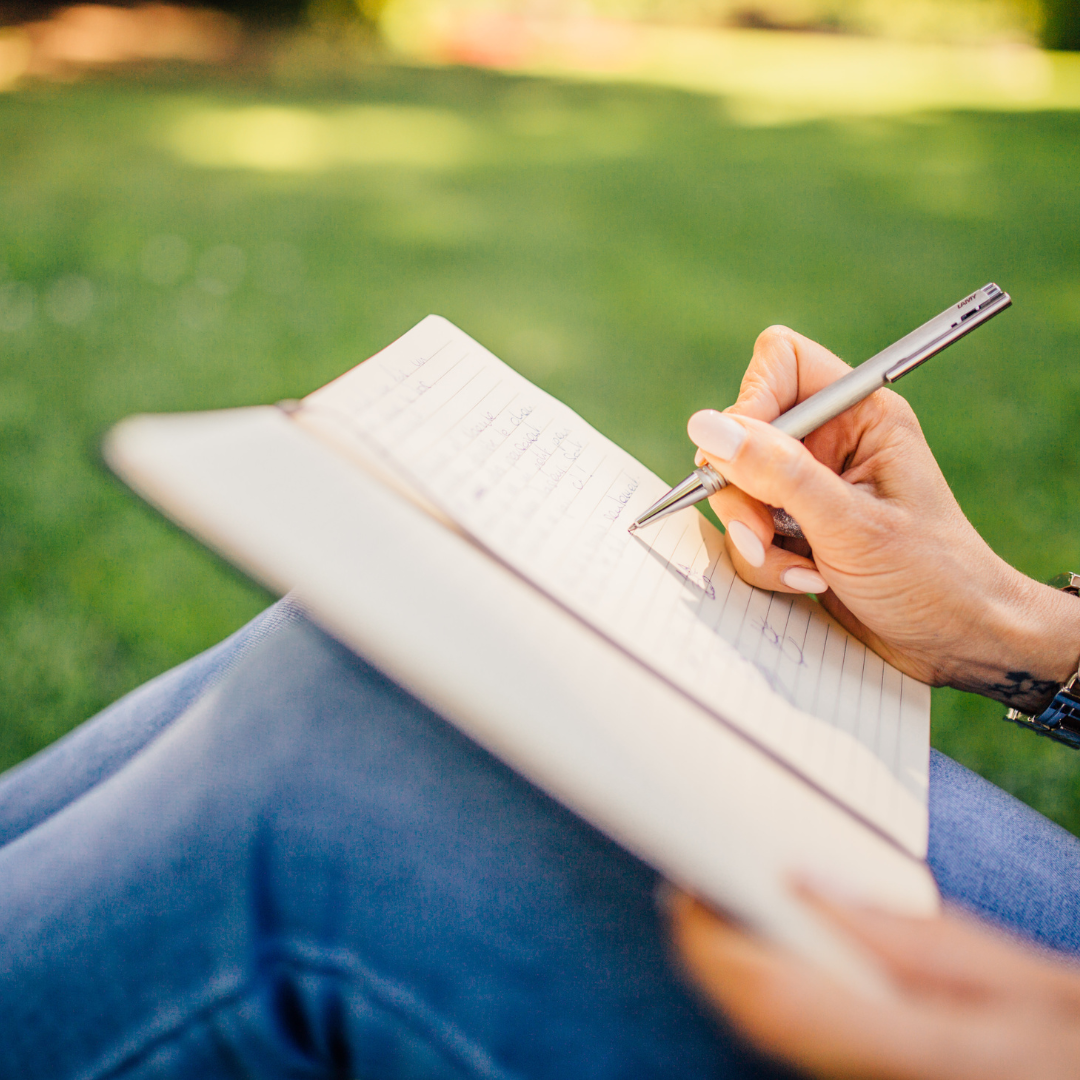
829 402
894 362
885 367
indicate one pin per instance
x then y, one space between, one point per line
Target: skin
970 1004
908 575
907 572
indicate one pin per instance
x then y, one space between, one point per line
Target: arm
905 571
893 558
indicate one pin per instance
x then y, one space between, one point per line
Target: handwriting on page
552 497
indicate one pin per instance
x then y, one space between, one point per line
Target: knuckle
800 463
774 346
889 405
877 409
752 382
795 468
786 459
754 386
774 335
751 575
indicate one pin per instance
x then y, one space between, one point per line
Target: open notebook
467 532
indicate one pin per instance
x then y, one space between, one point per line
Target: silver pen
880 370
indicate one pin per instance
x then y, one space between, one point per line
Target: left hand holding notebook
971 1002
906 572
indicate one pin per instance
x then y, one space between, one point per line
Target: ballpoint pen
880 370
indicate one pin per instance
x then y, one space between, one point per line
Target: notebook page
551 497
578 716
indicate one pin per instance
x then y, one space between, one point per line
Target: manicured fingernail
799 577
745 539
699 458
716 434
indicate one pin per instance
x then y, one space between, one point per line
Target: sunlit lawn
621 246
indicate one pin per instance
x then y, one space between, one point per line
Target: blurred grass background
175 239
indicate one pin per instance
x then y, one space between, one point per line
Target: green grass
621 246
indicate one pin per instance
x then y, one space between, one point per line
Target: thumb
774 468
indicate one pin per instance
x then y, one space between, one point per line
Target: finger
958 955
793 1011
749 526
750 546
748 523
786 368
776 469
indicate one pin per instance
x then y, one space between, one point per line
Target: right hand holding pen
906 572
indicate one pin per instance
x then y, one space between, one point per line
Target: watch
1060 720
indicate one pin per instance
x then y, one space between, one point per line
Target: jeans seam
395 999
161 1037
382 993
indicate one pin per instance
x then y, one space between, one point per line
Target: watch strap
1060 720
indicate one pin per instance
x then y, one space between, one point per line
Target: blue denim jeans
273 862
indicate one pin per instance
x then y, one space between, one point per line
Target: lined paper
551 497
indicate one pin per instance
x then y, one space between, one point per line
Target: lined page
550 496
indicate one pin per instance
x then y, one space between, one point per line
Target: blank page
548 495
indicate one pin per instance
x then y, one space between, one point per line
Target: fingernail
803 579
716 433
745 539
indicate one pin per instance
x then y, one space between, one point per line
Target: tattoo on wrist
1022 690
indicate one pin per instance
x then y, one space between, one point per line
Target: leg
310 874
47 782
1000 859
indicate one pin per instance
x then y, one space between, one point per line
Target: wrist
1031 634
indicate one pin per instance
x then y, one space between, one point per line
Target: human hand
887 547
970 1002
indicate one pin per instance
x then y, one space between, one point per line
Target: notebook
467 533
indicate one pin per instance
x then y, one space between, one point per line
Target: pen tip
633 528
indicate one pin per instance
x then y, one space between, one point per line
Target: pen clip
986 303
920 356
